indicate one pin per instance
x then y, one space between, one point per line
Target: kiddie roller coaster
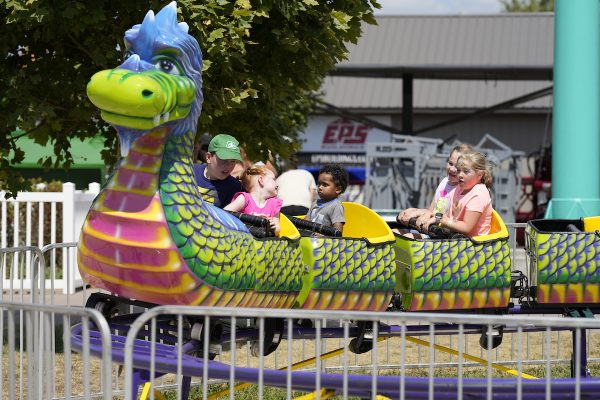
149 239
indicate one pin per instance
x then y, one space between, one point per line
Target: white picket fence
41 217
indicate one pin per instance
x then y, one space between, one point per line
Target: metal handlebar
315 227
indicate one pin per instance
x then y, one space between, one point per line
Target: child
260 198
328 209
470 210
214 180
441 200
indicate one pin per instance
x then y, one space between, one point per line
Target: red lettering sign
345 132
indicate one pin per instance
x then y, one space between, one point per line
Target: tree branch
20 135
83 49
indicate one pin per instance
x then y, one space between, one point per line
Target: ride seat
364 223
497 229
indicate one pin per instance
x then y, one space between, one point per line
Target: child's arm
406 215
337 217
236 205
339 226
465 226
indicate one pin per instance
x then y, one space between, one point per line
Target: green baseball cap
225 147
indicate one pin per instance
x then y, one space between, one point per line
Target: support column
407 104
576 127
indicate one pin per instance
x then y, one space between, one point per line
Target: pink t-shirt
271 208
477 199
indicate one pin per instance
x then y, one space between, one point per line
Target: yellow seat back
591 224
287 229
362 222
497 229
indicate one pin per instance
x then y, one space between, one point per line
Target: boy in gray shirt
328 209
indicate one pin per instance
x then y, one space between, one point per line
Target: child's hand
424 221
404 217
274 224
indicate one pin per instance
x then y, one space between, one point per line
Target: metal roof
458 61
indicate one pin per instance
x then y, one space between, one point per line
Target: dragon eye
167 66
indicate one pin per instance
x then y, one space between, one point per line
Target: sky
408 7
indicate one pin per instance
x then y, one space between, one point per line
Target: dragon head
159 82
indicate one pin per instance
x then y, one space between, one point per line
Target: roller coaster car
564 260
455 274
352 272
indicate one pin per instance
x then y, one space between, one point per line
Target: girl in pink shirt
261 196
470 211
443 193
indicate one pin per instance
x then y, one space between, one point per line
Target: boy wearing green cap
214 179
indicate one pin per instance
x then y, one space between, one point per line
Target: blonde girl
443 193
470 211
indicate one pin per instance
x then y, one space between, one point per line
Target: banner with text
333 134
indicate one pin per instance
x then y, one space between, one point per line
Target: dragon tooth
166 116
156 119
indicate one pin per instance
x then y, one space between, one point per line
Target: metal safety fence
37 360
24 267
186 342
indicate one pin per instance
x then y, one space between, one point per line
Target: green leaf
341 20
206 65
216 34
245 4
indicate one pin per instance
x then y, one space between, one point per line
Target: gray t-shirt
326 213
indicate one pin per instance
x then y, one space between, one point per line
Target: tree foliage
527 5
263 62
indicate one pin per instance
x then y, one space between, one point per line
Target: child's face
217 168
467 176
451 170
269 183
326 188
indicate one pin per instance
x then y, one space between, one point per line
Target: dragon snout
140 100
129 99
126 92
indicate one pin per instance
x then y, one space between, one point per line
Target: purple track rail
166 360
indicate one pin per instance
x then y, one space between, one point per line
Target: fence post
94 188
68 236
78 211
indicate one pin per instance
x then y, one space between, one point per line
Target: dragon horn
148 32
168 15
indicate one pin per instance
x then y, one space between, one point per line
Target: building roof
458 61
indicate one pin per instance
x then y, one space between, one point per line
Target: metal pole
407 104
575 136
